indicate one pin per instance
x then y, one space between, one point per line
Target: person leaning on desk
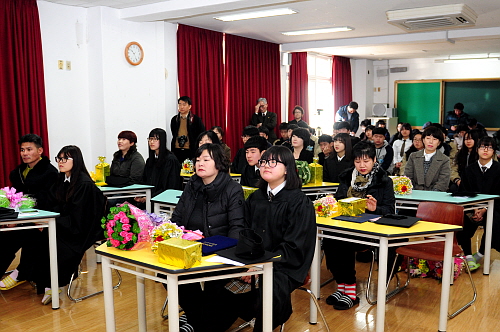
365 180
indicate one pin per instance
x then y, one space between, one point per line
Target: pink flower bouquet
9 198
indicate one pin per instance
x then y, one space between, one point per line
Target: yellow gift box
316 173
352 206
247 191
101 170
179 253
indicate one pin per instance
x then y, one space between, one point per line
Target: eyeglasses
486 148
417 140
153 139
271 162
62 160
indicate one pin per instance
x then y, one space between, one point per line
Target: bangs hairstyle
216 152
325 138
161 135
31 138
78 170
297 107
212 135
364 149
219 129
434 132
406 126
346 140
285 156
488 141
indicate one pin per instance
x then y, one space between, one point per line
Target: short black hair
185 99
365 123
219 129
283 126
488 141
325 138
353 105
284 155
212 135
344 125
250 131
471 122
461 127
31 138
258 142
297 107
458 106
406 126
292 126
302 133
364 149
370 127
380 122
217 153
434 132
346 140
379 131
264 130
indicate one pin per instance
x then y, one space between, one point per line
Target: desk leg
141 301
173 302
315 281
109 305
148 200
267 298
488 230
445 285
54 277
156 208
381 286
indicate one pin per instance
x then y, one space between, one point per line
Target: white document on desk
223 260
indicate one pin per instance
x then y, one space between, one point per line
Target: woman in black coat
340 159
213 203
81 206
162 168
366 180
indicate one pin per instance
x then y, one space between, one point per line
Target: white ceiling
372 37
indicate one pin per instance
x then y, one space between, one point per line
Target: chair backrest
444 213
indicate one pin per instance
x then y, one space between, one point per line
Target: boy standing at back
254 148
429 169
385 153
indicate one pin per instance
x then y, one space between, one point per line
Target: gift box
316 173
352 206
101 170
248 190
180 253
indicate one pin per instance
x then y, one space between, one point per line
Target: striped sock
341 288
350 290
186 328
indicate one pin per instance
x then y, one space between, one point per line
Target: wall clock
134 53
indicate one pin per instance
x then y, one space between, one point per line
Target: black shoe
345 302
334 298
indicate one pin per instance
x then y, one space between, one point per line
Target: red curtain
22 91
298 88
252 71
201 72
341 81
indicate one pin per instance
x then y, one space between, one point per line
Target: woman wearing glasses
81 206
162 168
284 217
213 203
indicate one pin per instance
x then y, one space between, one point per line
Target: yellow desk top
146 258
420 228
323 184
188 175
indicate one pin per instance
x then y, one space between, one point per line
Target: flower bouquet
187 166
402 185
168 230
126 227
326 207
9 198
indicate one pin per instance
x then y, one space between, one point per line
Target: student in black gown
300 140
254 147
81 206
162 169
340 159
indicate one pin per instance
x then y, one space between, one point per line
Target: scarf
360 182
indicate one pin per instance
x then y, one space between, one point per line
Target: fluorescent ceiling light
470 60
316 31
259 14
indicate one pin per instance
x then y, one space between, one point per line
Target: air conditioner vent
432 18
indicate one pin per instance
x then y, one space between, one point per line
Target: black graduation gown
249 177
78 227
333 167
163 177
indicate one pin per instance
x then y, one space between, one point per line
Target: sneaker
345 302
473 265
334 298
186 328
477 257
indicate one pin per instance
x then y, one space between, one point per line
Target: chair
444 213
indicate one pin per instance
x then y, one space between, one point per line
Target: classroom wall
102 94
425 69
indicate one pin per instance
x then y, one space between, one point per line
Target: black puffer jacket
381 189
38 181
223 205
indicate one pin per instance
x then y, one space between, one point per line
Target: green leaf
135 228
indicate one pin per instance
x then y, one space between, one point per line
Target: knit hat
130 135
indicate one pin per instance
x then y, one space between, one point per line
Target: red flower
159 238
404 188
320 208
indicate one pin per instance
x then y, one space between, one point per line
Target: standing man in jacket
455 118
185 127
349 114
262 117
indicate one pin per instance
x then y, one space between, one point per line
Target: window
319 69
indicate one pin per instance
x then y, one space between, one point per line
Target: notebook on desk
360 218
399 222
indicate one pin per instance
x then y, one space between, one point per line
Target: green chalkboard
480 98
418 102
